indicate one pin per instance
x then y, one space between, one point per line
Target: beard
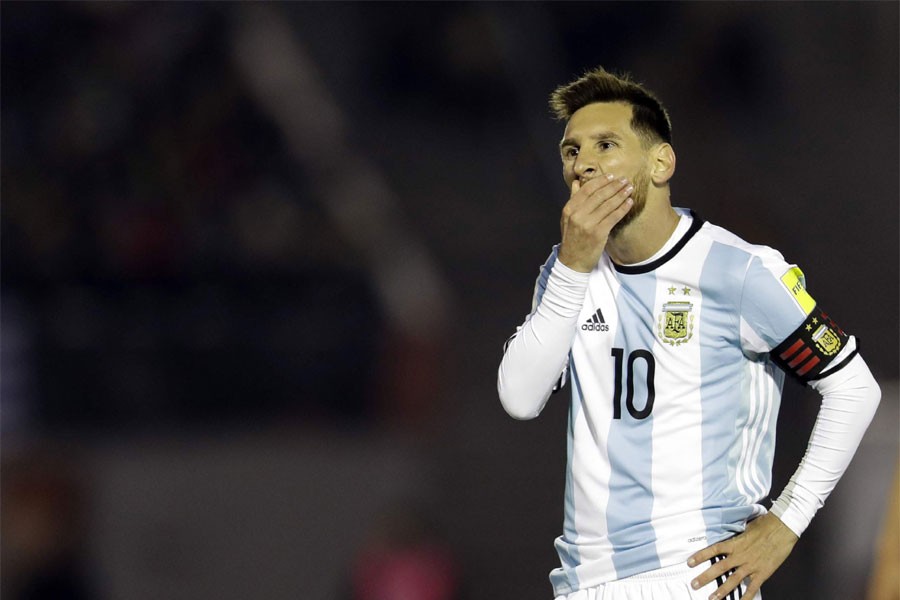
639 195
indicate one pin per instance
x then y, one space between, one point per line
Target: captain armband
812 347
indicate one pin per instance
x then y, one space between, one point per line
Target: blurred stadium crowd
171 261
319 221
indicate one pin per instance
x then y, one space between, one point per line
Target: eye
606 145
570 152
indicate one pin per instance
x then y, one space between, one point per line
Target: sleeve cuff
565 291
795 511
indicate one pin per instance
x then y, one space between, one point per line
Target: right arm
535 358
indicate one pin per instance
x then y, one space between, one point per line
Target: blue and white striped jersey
674 397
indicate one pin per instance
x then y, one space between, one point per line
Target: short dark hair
650 120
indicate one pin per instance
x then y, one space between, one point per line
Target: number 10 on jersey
618 355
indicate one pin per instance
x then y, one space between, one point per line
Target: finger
585 199
619 212
729 585
752 589
604 189
589 187
576 200
606 205
604 202
715 571
597 214
709 552
605 218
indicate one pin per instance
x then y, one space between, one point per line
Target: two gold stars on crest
685 291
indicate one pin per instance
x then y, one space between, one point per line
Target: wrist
785 531
790 515
570 262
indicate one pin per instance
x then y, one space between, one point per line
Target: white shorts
668 583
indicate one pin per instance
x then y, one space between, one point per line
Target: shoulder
766 280
734 250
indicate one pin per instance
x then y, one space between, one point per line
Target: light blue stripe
766 454
724 390
769 310
630 440
771 320
574 411
566 579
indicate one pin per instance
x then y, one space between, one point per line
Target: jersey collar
696 224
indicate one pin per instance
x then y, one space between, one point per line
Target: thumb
576 185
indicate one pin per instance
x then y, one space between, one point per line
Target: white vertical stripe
678 475
590 455
760 430
741 478
751 486
751 483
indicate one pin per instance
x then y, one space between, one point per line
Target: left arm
850 396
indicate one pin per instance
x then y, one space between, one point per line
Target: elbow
875 394
518 413
872 391
867 390
518 404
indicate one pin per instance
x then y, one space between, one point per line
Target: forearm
849 399
536 356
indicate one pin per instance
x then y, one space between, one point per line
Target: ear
662 165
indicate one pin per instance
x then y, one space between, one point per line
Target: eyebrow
603 135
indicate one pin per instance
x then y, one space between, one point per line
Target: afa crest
676 323
827 341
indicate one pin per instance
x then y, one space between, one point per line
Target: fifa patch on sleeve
812 347
795 282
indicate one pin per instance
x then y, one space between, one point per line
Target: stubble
639 195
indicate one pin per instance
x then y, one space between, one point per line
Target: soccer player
674 336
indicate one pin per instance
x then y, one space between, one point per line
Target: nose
586 167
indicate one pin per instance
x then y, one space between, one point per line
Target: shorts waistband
676 571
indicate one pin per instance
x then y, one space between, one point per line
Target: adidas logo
595 323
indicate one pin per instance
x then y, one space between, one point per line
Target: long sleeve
849 399
537 354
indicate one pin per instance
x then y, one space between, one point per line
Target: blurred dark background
259 260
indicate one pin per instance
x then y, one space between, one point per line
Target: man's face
599 140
